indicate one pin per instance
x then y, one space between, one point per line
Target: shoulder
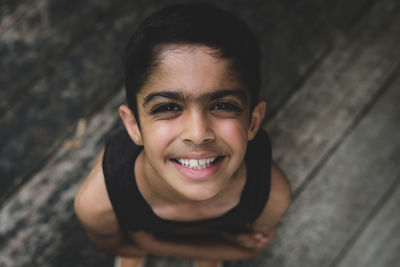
278 202
92 204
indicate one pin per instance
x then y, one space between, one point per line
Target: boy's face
194 123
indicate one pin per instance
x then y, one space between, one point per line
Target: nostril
198 140
197 131
206 140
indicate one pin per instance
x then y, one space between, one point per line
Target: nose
197 129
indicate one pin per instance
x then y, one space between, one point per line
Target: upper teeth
196 163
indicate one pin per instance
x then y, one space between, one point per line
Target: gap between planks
345 255
337 202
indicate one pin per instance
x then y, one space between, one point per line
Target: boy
191 174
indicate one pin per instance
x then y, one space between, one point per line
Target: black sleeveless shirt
135 214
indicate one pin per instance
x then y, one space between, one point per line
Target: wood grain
39 229
35 225
11 11
316 118
342 194
36 36
46 115
293 37
379 244
35 126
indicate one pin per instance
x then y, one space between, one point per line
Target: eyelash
226 106
166 108
221 107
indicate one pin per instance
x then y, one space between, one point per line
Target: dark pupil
170 108
225 106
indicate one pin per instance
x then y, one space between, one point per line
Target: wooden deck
331 73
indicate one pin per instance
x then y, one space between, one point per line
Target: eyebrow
178 96
164 94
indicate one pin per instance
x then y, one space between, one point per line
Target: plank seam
361 14
101 104
57 146
337 40
20 15
52 63
364 112
366 222
302 80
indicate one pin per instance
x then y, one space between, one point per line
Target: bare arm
95 213
265 227
223 247
215 248
263 231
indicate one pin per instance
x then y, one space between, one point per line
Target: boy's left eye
226 106
166 108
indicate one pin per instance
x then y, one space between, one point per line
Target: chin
201 193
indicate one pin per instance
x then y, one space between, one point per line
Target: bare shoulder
278 202
92 204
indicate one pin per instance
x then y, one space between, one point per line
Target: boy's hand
249 240
208 263
129 262
252 240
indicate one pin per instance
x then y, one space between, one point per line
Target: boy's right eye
170 107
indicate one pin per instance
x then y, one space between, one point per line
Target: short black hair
194 23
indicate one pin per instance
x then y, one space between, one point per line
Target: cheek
233 132
158 136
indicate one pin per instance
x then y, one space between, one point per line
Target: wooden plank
294 37
36 222
11 11
33 46
36 36
261 263
329 211
315 119
323 203
41 129
48 112
379 244
33 231
76 251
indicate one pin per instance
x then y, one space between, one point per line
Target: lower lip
199 175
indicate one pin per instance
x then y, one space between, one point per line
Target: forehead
191 69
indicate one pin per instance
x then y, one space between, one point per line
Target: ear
257 117
131 125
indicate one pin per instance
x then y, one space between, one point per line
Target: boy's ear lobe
131 125
257 116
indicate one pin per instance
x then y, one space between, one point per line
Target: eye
226 106
170 107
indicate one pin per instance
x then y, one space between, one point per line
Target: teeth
193 163
196 164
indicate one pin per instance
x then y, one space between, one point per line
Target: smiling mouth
198 164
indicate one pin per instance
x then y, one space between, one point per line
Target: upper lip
198 155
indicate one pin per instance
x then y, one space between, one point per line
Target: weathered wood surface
36 36
341 195
77 84
39 229
294 36
42 30
11 11
37 223
46 115
320 115
384 228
